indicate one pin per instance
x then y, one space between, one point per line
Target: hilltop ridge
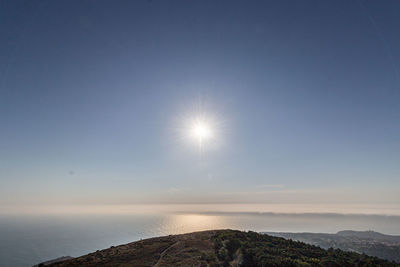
221 248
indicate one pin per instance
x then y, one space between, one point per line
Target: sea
29 238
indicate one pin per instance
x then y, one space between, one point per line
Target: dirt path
158 264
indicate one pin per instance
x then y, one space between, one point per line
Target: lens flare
201 131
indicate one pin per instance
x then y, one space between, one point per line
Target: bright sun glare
201 131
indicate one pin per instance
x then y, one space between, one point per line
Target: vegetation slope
222 248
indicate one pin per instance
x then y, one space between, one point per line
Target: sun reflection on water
184 223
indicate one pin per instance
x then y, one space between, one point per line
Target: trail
158 264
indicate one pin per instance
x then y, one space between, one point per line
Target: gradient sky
305 95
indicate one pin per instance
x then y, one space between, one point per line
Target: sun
201 131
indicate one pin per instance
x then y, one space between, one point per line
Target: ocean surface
29 239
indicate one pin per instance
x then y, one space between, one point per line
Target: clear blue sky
306 95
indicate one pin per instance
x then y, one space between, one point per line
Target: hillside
221 248
367 242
